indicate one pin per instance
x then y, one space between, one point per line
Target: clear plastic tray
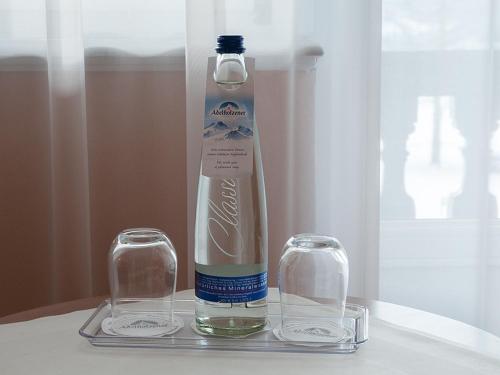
356 319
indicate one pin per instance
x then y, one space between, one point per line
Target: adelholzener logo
228 109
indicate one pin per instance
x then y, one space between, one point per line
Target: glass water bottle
231 220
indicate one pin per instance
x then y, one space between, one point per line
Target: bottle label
216 284
228 126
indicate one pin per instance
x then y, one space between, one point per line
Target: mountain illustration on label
234 134
245 131
214 128
217 125
238 134
227 104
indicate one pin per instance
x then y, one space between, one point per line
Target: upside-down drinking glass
313 277
142 276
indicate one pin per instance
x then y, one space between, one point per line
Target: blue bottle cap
230 44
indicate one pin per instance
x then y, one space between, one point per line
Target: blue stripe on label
235 289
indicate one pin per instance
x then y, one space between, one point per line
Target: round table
402 341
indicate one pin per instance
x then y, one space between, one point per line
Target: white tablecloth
52 346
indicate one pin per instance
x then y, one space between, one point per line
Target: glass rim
142 236
314 241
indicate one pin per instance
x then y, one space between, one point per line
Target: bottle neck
230 69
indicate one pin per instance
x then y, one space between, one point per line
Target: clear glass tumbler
142 276
313 277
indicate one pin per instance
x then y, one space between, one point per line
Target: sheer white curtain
379 123
440 112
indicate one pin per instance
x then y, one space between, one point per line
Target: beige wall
137 152
136 174
24 191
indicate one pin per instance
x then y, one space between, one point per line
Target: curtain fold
347 128
70 247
